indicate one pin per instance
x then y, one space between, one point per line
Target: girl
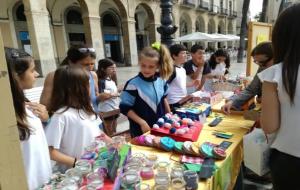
77 55
281 100
22 75
219 64
143 100
109 95
74 124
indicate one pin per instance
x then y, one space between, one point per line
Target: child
76 55
109 95
143 100
177 93
74 124
219 64
36 159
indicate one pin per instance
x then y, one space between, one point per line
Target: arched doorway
221 30
185 27
200 27
74 26
211 28
111 28
144 26
21 28
230 31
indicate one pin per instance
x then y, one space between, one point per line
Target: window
109 20
20 13
74 17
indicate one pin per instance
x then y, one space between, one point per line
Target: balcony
188 3
232 14
223 12
213 10
203 6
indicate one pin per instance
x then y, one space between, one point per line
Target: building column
60 41
93 34
130 47
153 34
8 33
41 41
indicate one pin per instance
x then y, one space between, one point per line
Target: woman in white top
22 75
74 124
108 93
281 100
219 64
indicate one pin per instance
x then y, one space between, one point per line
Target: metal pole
166 29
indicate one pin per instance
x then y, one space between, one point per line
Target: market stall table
228 169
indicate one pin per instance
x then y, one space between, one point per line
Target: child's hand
196 82
145 127
39 110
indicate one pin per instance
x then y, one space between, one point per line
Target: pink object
147 173
155 126
141 140
167 125
149 140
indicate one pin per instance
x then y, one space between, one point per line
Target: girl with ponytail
143 100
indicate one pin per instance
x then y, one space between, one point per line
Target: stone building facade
118 29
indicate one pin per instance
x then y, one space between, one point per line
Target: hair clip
156 45
85 50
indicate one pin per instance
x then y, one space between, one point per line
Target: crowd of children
74 98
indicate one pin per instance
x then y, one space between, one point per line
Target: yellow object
234 124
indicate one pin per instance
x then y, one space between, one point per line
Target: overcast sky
255 7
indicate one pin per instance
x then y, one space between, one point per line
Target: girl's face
27 79
88 63
220 59
148 66
111 70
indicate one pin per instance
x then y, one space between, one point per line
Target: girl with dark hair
78 55
22 75
281 100
74 124
108 93
143 100
219 64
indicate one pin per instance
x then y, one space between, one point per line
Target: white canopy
204 37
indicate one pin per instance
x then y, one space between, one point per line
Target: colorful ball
167 125
176 124
172 130
155 126
161 120
180 131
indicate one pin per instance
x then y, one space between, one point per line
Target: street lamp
166 29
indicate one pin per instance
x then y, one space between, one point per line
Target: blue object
173 130
111 37
167 143
160 124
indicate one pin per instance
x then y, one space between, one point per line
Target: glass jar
67 184
136 167
84 166
147 173
191 179
93 177
162 166
129 180
178 184
177 172
151 160
162 178
161 187
75 174
119 140
142 186
96 184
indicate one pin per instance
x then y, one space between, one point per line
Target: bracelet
75 160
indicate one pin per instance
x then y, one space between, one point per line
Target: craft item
147 173
187 147
162 167
130 179
178 147
75 174
167 143
195 150
191 179
215 122
156 142
225 144
172 130
178 184
142 186
151 160
149 140
83 166
177 172
206 150
207 168
155 126
162 178
219 153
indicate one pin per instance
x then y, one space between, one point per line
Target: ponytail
165 62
